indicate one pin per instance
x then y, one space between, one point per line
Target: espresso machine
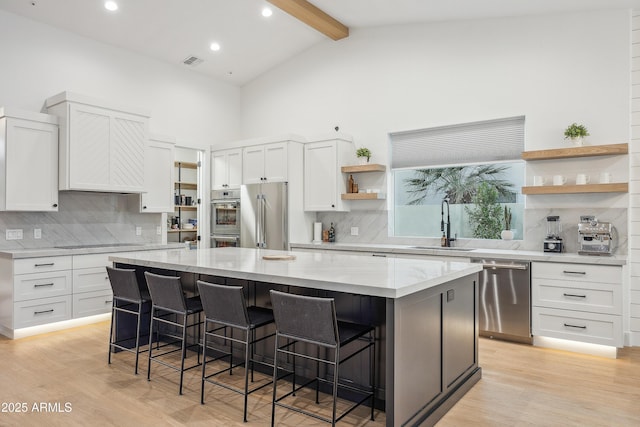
553 241
594 237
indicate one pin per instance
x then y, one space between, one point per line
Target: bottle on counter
443 240
332 233
350 184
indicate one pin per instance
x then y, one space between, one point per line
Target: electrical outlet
15 234
159 230
37 233
138 231
354 231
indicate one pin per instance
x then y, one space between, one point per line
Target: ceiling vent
192 61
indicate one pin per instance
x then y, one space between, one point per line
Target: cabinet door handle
380 255
55 205
43 311
575 295
108 301
144 207
40 285
49 264
566 325
574 272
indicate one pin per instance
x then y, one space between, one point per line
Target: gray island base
425 313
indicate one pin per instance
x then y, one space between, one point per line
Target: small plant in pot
363 154
507 233
576 133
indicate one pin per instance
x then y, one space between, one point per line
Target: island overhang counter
425 312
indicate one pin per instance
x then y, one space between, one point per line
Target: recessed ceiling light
111 6
214 46
267 12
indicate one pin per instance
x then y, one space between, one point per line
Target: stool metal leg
336 355
247 349
150 344
204 361
113 316
138 335
184 349
275 381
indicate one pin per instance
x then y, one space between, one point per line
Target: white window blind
476 142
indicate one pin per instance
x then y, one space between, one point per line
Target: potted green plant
363 154
576 133
507 233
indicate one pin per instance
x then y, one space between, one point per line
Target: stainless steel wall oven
225 218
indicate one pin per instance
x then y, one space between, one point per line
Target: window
476 166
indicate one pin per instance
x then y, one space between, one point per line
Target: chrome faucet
447 236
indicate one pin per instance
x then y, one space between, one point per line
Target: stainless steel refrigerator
265 216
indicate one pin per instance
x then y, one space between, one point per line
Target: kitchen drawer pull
43 311
575 295
108 301
574 272
379 255
49 264
566 325
41 285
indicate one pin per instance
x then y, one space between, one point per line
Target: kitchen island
425 313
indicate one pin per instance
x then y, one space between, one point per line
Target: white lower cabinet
577 302
45 290
91 287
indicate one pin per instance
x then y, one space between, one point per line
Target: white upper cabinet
28 161
323 183
159 176
102 148
226 169
265 163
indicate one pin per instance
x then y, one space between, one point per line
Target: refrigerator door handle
285 217
258 216
263 221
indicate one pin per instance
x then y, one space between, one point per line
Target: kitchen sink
445 248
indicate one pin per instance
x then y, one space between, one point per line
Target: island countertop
382 277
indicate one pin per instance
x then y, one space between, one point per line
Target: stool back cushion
224 304
305 318
166 292
124 284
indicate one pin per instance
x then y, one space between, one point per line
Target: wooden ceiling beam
314 17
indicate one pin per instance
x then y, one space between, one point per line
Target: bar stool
313 320
169 303
127 298
225 307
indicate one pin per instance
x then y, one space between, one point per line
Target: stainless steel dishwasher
505 300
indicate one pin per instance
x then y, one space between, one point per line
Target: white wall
39 61
553 69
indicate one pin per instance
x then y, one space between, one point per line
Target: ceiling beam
314 17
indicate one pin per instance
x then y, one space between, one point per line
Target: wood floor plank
521 386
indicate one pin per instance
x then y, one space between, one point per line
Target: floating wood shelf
187 207
616 187
182 230
585 151
186 165
373 167
363 196
186 185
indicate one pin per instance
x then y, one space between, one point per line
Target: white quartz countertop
506 254
86 249
383 277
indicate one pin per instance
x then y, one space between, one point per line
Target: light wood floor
521 385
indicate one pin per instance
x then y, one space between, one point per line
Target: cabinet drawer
42 311
592 328
91 279
41 265
603 298
577 272
91 260
91 303
41 285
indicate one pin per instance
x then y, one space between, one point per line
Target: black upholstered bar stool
225 308
170 307
313 320
127 298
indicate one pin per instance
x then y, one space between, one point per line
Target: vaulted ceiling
250 43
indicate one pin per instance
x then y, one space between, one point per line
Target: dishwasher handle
488 266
